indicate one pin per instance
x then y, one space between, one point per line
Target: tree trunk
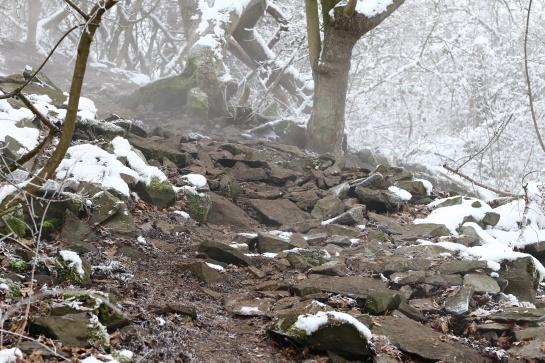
325 130
33 17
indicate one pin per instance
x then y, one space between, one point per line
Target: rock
326 331
279 175
224 212
278 212
352 216
408 277
482 284
72 268
305 200
229 187
458 304
73 229
416 188
414 338
157 150
327 207
351 286
72 330
298 262
491 218
444 281
334 229
382 300
368 157
249 174
198 204
460 266
223 253
532 351
530 334
269 242
448 202
519 316
340 191
331 268
374 181
159 193
204 272
242 305
522 277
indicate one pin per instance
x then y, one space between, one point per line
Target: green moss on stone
534 274
10 288
13 221
199 205
19 265
69 271
158 186
51 224
98 335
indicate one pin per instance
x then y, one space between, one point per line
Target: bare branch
530 95
497 191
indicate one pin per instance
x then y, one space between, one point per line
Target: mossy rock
74 270
159 193
197 104
8 287
13 221
198 205
19 265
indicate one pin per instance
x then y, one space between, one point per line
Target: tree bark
33 17
325 130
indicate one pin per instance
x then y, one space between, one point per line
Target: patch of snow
11 355
182 213
73 260
215 267
402 193
453 216
197 180
248 310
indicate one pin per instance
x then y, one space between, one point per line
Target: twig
497 191
530 96
497 133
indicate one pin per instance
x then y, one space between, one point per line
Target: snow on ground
11 355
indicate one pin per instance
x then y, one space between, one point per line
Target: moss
13 222
199 205
106 316
19 266
69 271
52 224
197 104
98 335
158 186
534 274
10 288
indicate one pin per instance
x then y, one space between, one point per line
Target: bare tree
331 66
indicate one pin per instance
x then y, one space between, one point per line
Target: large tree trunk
33 17
325 130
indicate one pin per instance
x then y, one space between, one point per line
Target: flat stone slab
352 286
519 316
415 338
278 212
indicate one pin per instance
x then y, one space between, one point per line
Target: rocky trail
261 253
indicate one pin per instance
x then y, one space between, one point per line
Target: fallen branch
497 191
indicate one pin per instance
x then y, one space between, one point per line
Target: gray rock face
352 286
382 300
482 283
414 338
327 207
522 278
458 304
72 330
414 187
278 212
223 211
203 272
223 253
352 216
